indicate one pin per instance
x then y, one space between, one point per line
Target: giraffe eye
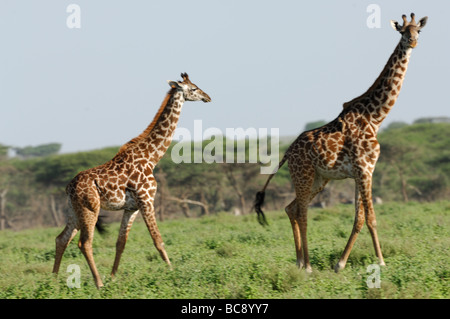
194 89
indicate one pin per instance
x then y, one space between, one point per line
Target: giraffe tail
259 200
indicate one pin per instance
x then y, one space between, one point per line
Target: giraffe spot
165 124
377 94
142 163
332 145
122 179
135 176
147 171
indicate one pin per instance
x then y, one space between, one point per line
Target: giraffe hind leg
87 213
302 217
308 185
87 221
291 211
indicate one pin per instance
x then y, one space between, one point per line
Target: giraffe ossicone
347 147
126 182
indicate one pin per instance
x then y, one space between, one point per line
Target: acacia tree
240 176
38 151
396 155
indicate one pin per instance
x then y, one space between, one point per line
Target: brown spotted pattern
126 182
346 148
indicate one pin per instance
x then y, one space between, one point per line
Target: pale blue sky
265 64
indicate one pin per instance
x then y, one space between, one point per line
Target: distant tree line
414 165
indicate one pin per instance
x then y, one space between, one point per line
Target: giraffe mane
149 128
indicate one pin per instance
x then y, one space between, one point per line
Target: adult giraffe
126 182
346 148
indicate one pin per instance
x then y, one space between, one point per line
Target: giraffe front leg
62 241
357 226
148 213
372 223
127 222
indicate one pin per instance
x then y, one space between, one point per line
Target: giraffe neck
379 99
162 133
156 138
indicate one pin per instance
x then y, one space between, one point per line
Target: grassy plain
225 256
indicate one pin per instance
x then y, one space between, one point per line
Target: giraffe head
190 91
409 30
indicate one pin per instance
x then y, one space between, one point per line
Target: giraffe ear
422 22
174 84
395 25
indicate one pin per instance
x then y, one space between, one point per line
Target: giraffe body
126 182
347 147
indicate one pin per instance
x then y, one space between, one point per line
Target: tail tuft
259 201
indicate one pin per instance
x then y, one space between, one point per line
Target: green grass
225 256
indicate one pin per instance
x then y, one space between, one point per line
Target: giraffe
347 147
125 183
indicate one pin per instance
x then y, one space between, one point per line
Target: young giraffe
126 182
346 148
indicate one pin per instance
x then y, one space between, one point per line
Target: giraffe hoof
338 267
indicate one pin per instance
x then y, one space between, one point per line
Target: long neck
379 99
157 137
